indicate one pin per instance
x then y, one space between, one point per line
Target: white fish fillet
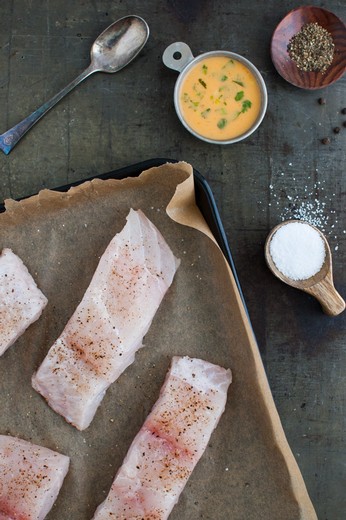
21 301
30 479
100 340
171 441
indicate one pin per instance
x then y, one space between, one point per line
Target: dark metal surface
281 171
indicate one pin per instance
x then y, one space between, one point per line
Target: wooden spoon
320 285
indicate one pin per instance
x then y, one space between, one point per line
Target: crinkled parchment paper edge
183 209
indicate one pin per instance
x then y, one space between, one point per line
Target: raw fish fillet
101 338
21 301
171 441
30 479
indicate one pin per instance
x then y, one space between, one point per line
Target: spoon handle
9 139
325 292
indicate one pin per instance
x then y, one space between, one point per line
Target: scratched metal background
114 120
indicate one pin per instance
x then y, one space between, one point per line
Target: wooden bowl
291 25
320 285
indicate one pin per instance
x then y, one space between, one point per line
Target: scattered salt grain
307 202
297 250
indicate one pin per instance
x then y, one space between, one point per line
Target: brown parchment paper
248 471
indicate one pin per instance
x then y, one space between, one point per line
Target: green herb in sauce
203 83
229 62
205 69
224 78
189 101
240 83
205 113
197 89
246 105
222 123
239 95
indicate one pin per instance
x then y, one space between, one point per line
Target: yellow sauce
220 98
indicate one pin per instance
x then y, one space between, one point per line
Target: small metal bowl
178 56
291 25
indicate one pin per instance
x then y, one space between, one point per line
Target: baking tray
248 471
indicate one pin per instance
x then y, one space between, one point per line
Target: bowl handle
177 55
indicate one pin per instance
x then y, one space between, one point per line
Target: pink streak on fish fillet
21 301
100 340
171 441
30 479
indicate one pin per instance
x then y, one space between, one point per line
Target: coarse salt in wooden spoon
299 255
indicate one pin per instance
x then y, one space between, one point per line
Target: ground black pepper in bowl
312 48
327 32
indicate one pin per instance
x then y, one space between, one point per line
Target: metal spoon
321 285
114 48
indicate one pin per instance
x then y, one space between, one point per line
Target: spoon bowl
112 50
320 285
119 44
